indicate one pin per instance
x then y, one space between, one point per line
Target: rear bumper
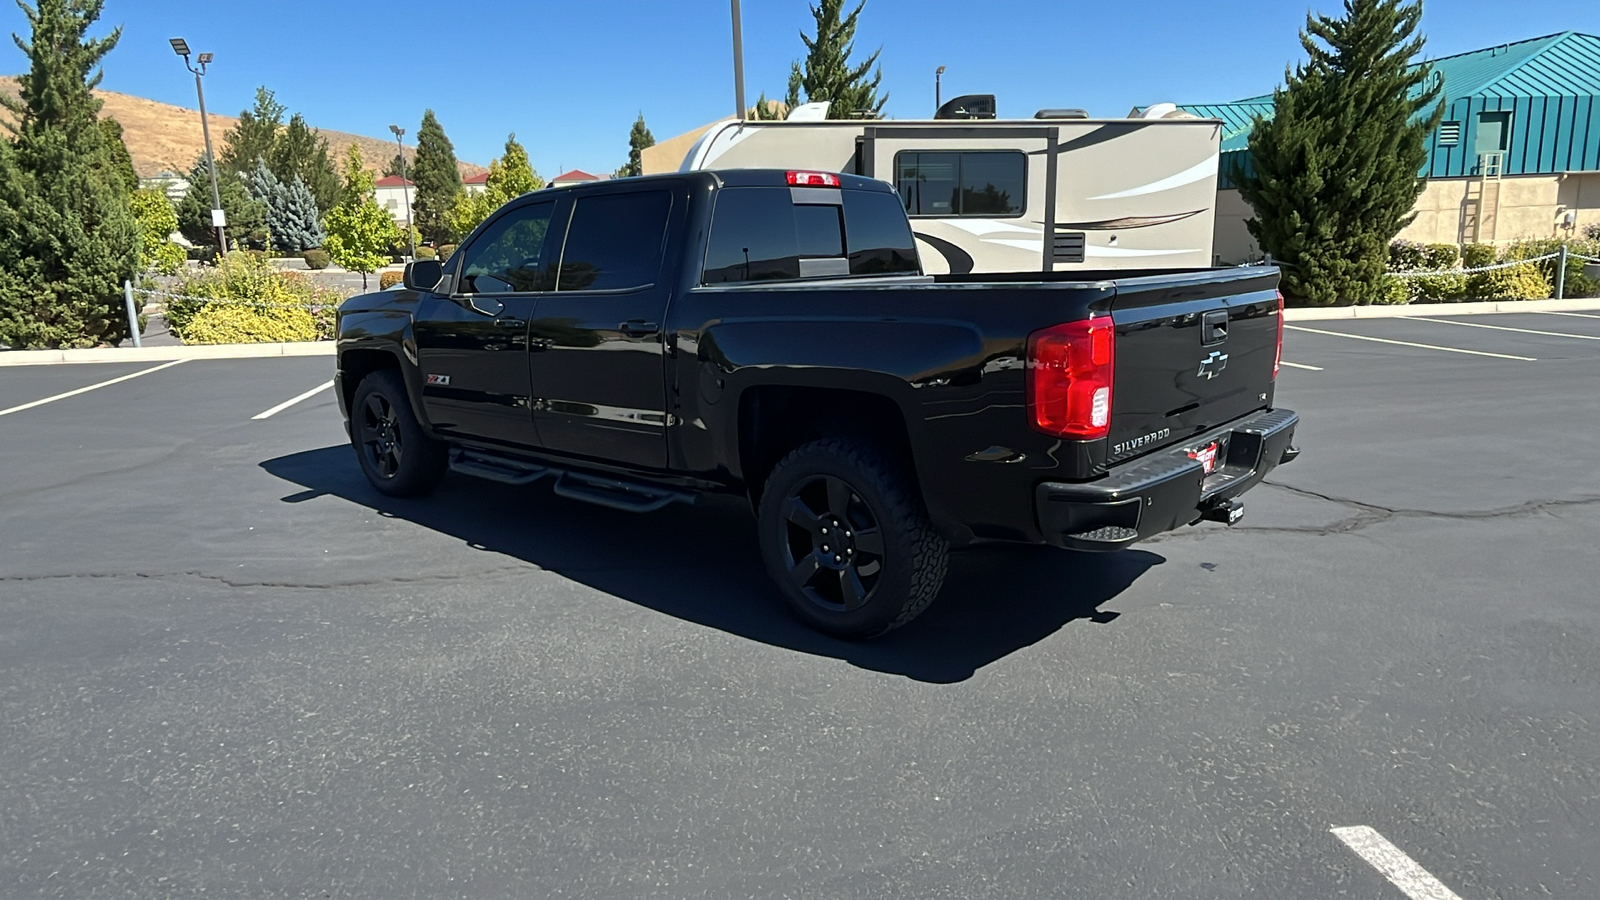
1166 489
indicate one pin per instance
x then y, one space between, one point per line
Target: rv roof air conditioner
808 112
968 106
1061 114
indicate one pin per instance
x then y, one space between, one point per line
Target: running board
616 493
496 468
628 496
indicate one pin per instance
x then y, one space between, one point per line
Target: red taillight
1069 378
813 179
1277 361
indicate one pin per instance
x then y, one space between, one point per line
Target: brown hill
166 138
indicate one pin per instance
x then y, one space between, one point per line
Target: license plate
1207 456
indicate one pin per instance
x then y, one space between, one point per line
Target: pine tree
829 75
396 166
1333 174
247 217
763 111
300 151
437 181
638 139
68 238
117 152
360 232
797 80
291 211
253 137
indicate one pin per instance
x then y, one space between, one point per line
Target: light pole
738 62
411 233
937 74
218 218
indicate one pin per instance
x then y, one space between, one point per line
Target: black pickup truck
771 334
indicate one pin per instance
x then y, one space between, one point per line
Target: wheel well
775 419
355 365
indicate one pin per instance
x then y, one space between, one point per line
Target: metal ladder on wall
1481 212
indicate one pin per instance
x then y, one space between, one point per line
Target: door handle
509 323
638 328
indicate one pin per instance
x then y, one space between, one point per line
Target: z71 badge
439 379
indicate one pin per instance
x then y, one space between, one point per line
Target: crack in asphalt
1370 514
233 583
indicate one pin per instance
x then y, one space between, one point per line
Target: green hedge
316 259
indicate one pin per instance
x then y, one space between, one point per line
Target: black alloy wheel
834 547
396 454
847 539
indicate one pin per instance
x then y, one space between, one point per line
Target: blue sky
569 78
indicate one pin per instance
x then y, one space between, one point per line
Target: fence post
1561 273
133 316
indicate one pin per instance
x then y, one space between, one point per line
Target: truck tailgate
1192 352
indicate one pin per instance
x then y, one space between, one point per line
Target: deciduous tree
510 176
361 233
157 221
1333 175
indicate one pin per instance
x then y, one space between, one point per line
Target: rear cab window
781 233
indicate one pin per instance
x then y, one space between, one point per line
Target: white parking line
1378 340
1401 870
92 387
1580 337
292 401
1541 312
1301 366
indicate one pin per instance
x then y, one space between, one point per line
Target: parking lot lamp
937 74
405 187
218 219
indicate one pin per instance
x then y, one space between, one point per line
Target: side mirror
423 274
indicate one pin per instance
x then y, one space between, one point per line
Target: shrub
1407 256
389 279
1438 288
445 250
1395 291
426 253
1475 256
315 259
225 324
245 281
1592 231
1514 283
1440 256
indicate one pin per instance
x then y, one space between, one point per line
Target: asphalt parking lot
228 668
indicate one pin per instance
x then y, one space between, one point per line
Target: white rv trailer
1013 195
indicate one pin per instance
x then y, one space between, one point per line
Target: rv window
969 183
878 235
759 234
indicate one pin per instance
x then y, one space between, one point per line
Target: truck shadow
702 565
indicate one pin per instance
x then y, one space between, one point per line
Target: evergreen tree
438 181
361 233
300 151
117 152
1333 174
67 236
638 139
828 73
253 137
396 166
796 81
763 111
247 217
291 211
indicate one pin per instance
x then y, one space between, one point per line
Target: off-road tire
397 456
799 500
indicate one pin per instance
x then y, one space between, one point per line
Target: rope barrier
1474 271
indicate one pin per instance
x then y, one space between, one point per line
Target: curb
1320 314
163 354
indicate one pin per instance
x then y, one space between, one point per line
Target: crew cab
771 334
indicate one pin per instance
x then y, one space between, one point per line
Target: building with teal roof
1516 156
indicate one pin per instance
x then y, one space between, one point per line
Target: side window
614 241
761 234
969 183
510 255
878 235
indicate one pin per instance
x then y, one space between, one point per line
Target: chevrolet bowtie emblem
1212 366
